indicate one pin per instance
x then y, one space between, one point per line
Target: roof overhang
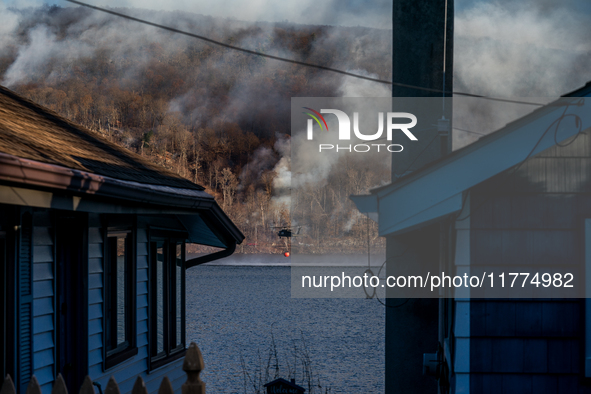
437 190
31 183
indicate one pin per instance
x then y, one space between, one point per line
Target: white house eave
437 190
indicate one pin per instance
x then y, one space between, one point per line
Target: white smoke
354 87
533 48
282 181
515 49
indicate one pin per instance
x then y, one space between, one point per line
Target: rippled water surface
232 311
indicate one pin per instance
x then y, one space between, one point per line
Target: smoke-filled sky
502 47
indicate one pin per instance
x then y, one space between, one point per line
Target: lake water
234 311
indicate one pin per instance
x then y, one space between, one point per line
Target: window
167 299
120 292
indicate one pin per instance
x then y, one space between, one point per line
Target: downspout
212 256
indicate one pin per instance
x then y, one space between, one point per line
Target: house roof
30 131
47 161
436 189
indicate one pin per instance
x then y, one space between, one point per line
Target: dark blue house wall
126 372
38 340
43 299
531 216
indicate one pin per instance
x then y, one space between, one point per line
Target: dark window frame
168 240
128 349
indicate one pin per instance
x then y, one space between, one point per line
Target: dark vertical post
422 56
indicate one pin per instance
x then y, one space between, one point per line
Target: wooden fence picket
59 387
165 387
8 386
87 386
33 386
192 365
139 387
112 386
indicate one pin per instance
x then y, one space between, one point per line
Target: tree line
211 115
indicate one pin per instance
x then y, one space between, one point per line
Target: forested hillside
217 117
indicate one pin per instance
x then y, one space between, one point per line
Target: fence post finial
86 387
193 366
33 386
112 387
8 386
59 386
165 386
139 387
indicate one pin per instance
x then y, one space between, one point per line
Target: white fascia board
406 199
366 203
387 212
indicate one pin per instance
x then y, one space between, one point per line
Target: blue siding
95 295
44 358
532 217
43 300
44 375
126 372
95 357
42 324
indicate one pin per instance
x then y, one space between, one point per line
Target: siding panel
95 311
95 341
43 254
43 289
95 357
95 266
142 262
43 324
43 341
43 358
142 275
43 294
42 306
95 251
536 355
95 235
42 236
142 301
142 235
95 326
95 296
507 355
142 249
95 281
44 375
42 271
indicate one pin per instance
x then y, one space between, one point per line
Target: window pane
160 298
121 299
117 291
178 298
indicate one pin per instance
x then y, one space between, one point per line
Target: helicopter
287 232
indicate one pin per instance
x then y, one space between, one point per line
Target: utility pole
422 56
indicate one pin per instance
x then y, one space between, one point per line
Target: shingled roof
30 131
